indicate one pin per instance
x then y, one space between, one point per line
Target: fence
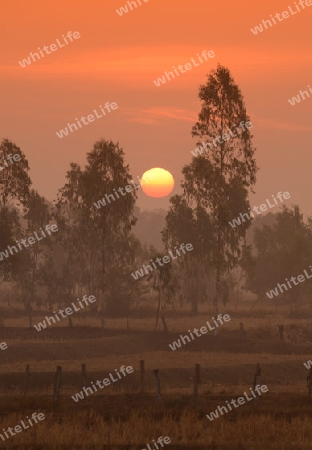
141 389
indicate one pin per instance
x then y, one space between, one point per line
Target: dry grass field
120 417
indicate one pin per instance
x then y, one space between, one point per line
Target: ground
120 416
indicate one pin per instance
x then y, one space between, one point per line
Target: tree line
95 250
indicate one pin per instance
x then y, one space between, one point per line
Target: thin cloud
275 124
154 116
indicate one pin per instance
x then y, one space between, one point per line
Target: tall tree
220 180
105 173
73 252
98 238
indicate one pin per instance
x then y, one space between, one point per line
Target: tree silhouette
280 251
220 180
98 241
14 179
187 225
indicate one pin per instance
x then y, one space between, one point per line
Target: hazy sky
117 58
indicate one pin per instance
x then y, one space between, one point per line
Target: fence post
309 382
157 384
196 380
257 381
84 375
142 370
57 382
26 382
281 332
242 330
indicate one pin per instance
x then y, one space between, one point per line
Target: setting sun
157 182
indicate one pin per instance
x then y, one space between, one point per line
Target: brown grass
119 416
187 426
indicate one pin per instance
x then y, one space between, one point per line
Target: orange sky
117 58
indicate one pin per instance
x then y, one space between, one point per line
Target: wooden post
26 384
196 380
108 441
57 382
157 384
242 330
164 324
309 382
84 375
257 381
142 370
281 332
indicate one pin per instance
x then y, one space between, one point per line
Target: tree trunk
157 312
70 322
30 318
28 310
216 302
195 293
194 307
164 324
237 293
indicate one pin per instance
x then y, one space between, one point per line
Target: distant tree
149 225
122 290
258 222
280 251
162 281
28 274
14 190
9 228
220 180
14 179
60 284
185 225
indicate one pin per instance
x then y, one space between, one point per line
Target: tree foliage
219 182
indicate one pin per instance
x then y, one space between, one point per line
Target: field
121 417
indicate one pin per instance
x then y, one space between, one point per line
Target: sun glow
157 182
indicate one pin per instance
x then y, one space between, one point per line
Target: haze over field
155 225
